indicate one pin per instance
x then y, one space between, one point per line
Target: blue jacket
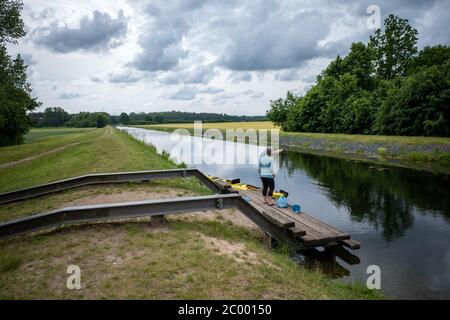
265 167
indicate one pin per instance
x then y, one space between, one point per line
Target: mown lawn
99 150
192 258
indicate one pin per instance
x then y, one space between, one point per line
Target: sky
224 56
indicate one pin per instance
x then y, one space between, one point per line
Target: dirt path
37 156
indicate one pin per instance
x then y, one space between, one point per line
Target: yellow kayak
236 184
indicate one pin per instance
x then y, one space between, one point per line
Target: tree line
386 86
15 91
57 117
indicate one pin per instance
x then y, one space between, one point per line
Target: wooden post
269 241
157 221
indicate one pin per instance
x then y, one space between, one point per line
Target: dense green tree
419 105
358 63
279 110
15 99
55 117
102 119
15 91
124 118
11 23
384 87
428 57
89 120
148 118
394 48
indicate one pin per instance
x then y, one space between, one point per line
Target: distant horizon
163 111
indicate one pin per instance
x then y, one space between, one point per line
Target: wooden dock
301 231
310 231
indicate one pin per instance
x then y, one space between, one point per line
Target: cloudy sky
196 55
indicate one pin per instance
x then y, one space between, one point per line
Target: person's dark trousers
268 186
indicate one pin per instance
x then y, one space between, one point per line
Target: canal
400 216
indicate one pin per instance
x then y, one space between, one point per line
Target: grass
131 260
43 140
39 133
371 138
100 150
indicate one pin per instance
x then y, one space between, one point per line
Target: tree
428 57
279 110
15 91
11 23
55 117
148 118
124 118
393 49
419 105
358 62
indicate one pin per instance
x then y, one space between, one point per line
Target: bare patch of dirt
237 251
127 196
233 215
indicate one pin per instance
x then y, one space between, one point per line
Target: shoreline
433 157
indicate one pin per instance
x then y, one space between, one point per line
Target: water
400 216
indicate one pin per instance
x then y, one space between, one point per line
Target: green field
130 260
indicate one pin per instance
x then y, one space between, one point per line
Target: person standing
267 174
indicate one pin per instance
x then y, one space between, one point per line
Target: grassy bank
97 150
197 256
429 153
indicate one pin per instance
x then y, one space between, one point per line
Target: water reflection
328 260
384 196
400 216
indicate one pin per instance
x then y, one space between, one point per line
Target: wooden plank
320 224
222 184
274 217
297 232
344 255
317 232
314 223
311 238
350 243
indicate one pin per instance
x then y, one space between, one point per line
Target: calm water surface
400 216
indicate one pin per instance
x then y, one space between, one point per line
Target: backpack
282 202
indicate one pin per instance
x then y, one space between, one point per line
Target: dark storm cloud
429 17
161 38
99 33
272 38
161 46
